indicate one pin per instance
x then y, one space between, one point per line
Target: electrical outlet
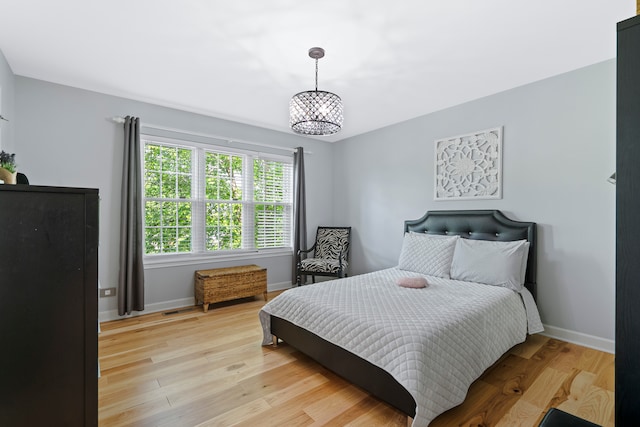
107 292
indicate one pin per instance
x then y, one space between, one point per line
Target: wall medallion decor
469 166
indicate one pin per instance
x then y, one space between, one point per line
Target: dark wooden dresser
627 374
48 306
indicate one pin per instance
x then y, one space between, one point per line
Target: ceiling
243 60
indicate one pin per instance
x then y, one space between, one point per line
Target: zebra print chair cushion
330 253
319 265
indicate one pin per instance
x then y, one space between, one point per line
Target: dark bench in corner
558 418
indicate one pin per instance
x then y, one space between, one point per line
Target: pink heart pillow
412 282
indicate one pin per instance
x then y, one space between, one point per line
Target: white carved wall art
469 166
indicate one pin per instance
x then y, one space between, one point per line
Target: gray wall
66 138
558 151
7 84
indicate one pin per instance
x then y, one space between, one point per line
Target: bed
362 327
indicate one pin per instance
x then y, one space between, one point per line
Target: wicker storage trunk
223 284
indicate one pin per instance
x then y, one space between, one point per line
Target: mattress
434 341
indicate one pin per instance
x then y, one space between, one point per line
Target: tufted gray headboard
481 225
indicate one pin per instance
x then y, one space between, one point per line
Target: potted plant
8 171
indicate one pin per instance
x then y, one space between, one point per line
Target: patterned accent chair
330 254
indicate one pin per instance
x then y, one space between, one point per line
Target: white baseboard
105 316
279 286
579 338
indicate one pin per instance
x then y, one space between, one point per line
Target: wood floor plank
589 402
284 409
605 377
135 415
530 347
352 416
578 389
544 387
325 409
124 392
200 409
593 360
521 414
279 419
110 366
240 413
380 415
280 397
156 370
191 368
597 406
568 358
473 410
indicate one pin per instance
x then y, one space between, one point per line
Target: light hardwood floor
209 369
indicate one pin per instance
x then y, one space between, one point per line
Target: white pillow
427 254
490 262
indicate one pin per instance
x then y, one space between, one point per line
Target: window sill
164 261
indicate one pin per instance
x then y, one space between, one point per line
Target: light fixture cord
316 74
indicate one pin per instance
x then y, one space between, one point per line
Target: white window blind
272 195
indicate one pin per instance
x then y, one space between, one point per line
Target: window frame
199 254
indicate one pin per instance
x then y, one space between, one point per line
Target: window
199 199
168 185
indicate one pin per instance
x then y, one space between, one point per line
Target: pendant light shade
315 112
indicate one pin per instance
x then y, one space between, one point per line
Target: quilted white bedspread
434 341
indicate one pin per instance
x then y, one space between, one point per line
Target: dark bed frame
477 224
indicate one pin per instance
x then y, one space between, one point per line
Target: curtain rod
118 119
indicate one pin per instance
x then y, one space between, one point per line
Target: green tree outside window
237 195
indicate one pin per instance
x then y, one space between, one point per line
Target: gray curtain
131 275
299 209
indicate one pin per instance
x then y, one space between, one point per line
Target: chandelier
315 112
